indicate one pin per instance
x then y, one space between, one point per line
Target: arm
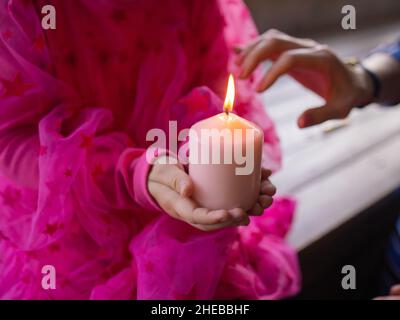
343 86
387 69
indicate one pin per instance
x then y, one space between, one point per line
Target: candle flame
230 95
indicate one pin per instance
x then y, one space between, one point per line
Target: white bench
336 175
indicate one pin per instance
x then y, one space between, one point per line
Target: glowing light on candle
230 95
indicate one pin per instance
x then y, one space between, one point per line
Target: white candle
225 159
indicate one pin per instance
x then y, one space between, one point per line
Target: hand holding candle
225 159
172 188
217 195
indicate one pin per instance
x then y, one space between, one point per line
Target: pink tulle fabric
75 106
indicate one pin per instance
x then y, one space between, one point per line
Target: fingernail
265 202
243 72
257 210
237 49
302 122
270 189
237 215
224 218
183 185
267 186
261 87
238 60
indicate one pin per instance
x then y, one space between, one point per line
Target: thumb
174 177
315 116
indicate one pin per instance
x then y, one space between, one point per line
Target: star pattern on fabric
141 45
86 141
149 267
10 196
26 278
251 78
71 60
7 34
65 282
123 57
39 43
42 151
72 110
68 173
218 239
204 48
118 15
51 228
194 108
15 87
256 236
106 219
158 47
187 296
26 2
55 188
4 237
54 247
112 270
104 57
57 125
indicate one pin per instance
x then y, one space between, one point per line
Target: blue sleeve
393 49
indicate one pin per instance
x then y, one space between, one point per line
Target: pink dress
75 106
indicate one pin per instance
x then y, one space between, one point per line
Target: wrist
365 85
367 90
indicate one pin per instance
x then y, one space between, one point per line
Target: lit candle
225 159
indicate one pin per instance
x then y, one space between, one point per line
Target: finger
267 188
238 214
271 33
243 221
237 49
310 58
243 52
174 177
213 227
187 210
262 51
246 221
316 116
257 210
265 173
395 290
184 208
271 46
265 201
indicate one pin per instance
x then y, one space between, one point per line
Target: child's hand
267 191
171 187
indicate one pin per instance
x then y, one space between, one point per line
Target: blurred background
345 174
319 17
